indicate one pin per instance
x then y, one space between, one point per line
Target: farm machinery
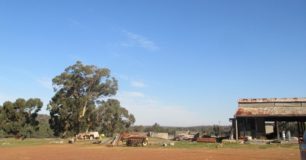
131 139
88 135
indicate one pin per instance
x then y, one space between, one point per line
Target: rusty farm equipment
131 139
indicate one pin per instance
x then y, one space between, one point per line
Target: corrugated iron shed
272 107
271 111
273 100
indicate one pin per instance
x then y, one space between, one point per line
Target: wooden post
244 126
236 128
277 130
301 128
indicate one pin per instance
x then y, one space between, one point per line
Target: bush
2 134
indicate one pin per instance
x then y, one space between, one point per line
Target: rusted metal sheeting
126 135
271 104
207 140
270 111
267 100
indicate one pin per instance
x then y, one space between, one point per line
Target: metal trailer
137 141
131 139
134 139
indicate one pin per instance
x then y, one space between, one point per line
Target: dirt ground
77 152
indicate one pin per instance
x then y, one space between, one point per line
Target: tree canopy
78 90
19 118
112 118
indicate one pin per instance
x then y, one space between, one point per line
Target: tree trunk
84 110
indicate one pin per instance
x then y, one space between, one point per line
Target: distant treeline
43 129
211 130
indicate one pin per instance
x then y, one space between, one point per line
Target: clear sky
178 62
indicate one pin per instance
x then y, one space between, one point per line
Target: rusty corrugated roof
267 100
265 107
270 111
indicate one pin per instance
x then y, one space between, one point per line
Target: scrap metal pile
130 139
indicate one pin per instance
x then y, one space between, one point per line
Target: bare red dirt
77 152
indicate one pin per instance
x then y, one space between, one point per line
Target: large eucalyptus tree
77 92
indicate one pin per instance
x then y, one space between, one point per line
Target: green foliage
216 130
139 128
19 118
2 134
78 89
112 118
154 128
44 128
157 128
203 130
194 145
12 142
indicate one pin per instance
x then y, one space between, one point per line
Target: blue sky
178 62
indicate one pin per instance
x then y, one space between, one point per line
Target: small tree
216 130
112 118
157 128
139 128
19 118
